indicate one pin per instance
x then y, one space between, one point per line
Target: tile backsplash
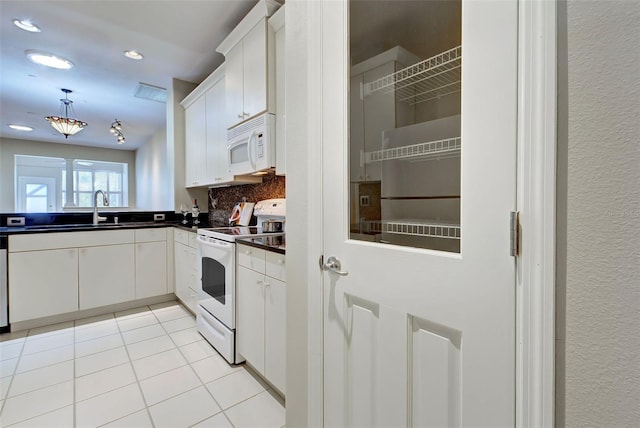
223 199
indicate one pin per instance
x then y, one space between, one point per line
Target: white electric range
216 314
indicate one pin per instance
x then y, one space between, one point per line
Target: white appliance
216 313
251 145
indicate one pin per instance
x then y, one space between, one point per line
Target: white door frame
536 176
536 202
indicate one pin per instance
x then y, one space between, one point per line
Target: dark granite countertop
275 242
43 223
46 228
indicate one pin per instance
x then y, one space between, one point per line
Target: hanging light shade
64 124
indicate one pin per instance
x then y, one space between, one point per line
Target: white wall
598 286
10 147
156 188
299 219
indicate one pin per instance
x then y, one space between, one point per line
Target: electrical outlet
158 217
15 221
364 200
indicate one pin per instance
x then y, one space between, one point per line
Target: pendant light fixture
116 129
64 124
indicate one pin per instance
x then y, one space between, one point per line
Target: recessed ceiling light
49 60
26 25
133 54
21 127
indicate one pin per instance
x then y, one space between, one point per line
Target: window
43 183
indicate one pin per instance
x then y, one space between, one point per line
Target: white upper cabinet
248 52
234 86
204 132
195 143
206 135
216 157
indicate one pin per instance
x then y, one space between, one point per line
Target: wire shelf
432 229
430 79
439 149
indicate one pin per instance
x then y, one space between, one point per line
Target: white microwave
251 145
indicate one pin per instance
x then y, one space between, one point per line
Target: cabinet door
151 269
255 69
217 168
182 271
275 325
106 275
250 316
42 283
195 143
233 84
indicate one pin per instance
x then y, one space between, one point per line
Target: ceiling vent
150 92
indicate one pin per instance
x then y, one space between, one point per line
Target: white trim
315 230
536 193
202 88
263 9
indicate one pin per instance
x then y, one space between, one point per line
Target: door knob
333 265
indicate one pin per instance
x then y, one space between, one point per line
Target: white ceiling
178 39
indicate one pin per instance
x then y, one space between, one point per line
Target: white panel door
275 326
217 168
42 283
151 269
195 143
106 275
254 45
234 85
250 316
414 336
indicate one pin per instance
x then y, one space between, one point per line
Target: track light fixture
116 129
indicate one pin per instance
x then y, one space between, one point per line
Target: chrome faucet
96 218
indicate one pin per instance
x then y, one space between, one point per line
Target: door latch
514 233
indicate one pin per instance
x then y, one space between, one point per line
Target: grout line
24 342
13 374
137 379
144 399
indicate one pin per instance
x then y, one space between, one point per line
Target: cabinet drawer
276 266
49 241
181 236
193 240
151 235
251 257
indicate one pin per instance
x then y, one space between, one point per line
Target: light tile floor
146 367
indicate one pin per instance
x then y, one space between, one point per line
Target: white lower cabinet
250 326
42 283
58 273
186 259
261 312
106 275
151 262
